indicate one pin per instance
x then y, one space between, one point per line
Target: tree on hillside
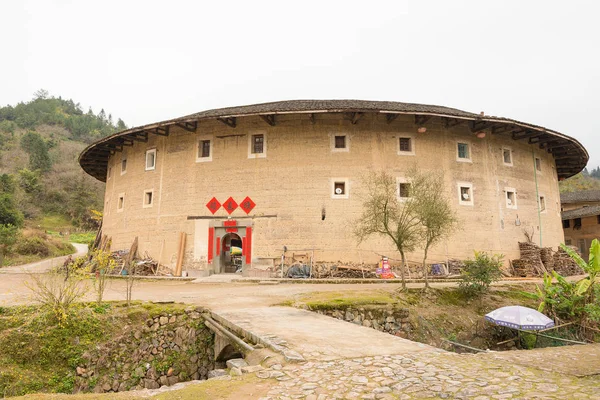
37 149
9 213
8 236
385 215
433 209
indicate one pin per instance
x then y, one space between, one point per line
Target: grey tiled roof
581 212
580 196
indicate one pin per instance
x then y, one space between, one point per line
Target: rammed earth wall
167 349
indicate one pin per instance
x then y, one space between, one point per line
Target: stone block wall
167 349
392 320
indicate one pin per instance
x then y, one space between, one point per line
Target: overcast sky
145 61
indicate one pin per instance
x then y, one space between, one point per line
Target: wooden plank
180 254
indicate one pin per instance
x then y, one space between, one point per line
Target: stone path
423 376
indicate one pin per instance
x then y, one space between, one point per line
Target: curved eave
570 155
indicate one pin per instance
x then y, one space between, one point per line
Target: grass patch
39 355
53 222
83 237
241 387
333 300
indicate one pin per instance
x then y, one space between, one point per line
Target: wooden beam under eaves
421 119
134 136
502 128
521 134
389 118
188 126
161 130
354 117
450 122
269 119
231 121
476 126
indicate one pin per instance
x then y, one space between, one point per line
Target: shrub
33 245
480 273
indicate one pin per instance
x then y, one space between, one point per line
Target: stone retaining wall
392 320
167 349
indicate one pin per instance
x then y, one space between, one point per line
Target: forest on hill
40 178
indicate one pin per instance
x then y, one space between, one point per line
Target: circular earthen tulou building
241 183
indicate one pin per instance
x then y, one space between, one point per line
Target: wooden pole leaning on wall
180 254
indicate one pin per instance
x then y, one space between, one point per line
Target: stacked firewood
531 253
455 266
333 271
546 255
565 265
523 268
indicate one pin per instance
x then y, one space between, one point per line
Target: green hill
41 183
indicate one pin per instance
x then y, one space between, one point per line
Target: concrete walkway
42 266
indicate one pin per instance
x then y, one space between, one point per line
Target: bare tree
433 210
384 214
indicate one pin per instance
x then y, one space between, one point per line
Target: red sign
213 205
231 224
247 205
230 205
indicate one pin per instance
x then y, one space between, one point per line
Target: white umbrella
519 317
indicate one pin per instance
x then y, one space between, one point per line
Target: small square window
463 152
465 193
121 202
538 164
511 198
123 166
148 198
339 188
566 223
340 142
542 204
404 190
405 144
568 242
150 160
258 142
507 156
577 223
257 145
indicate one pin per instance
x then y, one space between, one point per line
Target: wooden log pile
531 253
455 266
523 268
334 271
546 255
564 264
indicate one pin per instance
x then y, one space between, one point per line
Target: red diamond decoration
247 205
213 205
230 205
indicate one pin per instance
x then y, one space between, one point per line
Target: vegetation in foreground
39 352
